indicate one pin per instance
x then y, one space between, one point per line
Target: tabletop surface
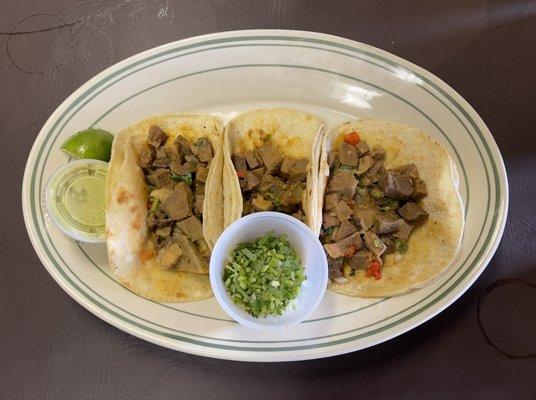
51 348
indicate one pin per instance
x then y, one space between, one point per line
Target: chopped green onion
401 245
264 276
377 193
155 204
363 182
183 178
387 204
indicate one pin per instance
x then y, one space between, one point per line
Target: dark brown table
51 348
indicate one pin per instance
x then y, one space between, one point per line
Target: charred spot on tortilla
123 196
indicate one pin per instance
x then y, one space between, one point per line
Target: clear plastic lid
74 199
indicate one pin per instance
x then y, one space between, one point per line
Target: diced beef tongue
412 212
294 168
191 227
251 159
386 222
331 200
408 170
365 217
201 173
161 159
202 150
345 247
169 255
396 186
191 158
374 173
173 153
250 180
198 203
299 169
343 211
161 152
365 163
160 177
183 145
345 229
239 162
403 230
334 267
342 182
187 168
335 250
161 162
191 260
175 166
374 244
203 248
329 221
348 155
156 136
259 172
271 157
419 189
288 208
389 243
178 205
286 166
163 222
377 153
164 231
199 187
145 156
333 158
269 182
361 260
362 148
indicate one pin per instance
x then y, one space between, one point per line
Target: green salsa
75 200
264 276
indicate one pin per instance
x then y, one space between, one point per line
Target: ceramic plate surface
227 73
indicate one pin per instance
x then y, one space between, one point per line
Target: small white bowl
304 242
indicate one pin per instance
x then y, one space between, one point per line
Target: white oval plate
226 73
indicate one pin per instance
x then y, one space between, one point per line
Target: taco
390 216
270 164
163 213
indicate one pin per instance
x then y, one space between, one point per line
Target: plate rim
316 352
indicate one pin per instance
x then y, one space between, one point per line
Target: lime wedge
90 143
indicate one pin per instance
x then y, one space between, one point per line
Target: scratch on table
64 24
51 28
163 11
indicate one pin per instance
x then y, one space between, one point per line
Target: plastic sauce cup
75 199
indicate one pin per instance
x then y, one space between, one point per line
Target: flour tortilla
295 133
432 246
126 209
